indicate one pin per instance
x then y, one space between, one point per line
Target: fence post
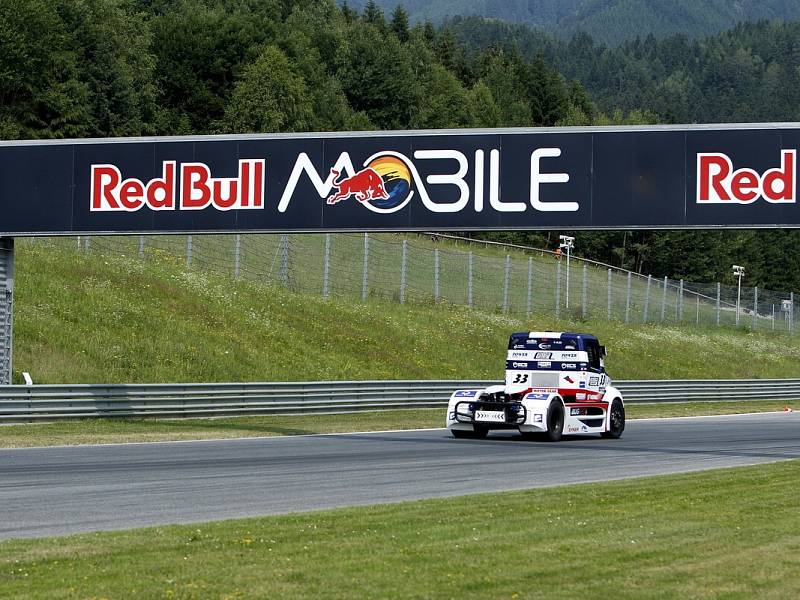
141 247
566 291
585 293
647 298
697 319
87 243
285 260
365 278
403 263
719 286
436 274
755 308
469 279
680 302
530 287
558 289
506 277
237 255
609 294
773 317
188 250
628 300
326 266
791 313
79 244
664 300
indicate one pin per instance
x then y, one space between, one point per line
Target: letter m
343 165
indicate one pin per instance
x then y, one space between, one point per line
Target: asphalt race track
61 490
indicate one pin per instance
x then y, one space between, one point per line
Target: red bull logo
364 185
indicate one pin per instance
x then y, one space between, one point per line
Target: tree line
80 68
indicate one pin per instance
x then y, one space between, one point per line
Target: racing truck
556 384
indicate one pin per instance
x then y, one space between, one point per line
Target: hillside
609 21
102 317
747 74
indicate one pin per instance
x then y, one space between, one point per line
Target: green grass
731 533
111 431
694 409
112 318
106 431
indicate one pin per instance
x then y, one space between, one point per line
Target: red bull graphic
364 185
385 184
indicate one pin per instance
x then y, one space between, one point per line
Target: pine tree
430 33
447 49
374 15
399 23
348 13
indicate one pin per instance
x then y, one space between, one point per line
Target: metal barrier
49 402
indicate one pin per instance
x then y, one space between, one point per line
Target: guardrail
50 402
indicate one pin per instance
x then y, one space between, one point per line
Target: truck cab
573 364
555 384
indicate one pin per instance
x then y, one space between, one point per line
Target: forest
747 74
607 21
98 68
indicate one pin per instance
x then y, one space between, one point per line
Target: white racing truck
556 384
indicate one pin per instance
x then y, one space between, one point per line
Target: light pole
738 271
567 243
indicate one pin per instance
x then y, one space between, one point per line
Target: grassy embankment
729 533
89 318
260 259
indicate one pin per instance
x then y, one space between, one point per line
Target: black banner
562 178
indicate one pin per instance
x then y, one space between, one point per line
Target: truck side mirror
603 351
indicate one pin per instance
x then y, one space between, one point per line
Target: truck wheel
555 421
616 420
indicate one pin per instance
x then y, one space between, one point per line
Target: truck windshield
525 343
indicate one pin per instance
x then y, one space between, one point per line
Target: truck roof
551 335
543 340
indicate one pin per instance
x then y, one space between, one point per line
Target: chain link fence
481 275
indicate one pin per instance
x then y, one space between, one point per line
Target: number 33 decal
520 378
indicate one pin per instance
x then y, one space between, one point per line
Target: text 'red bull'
364 185
198 189
718 183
